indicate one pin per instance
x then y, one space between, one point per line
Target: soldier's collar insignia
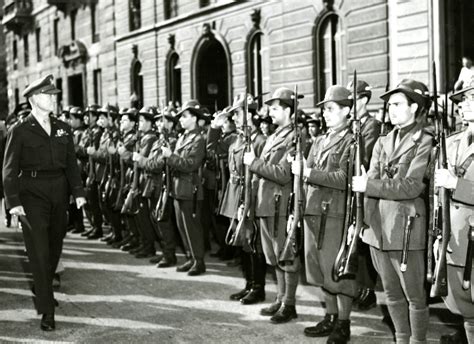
416 136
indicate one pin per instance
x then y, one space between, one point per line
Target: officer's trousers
45 201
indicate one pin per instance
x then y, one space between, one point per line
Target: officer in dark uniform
40 168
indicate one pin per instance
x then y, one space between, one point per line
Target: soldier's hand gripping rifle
441 216
131 204
346 264
293 242
242 222
161 213
91 165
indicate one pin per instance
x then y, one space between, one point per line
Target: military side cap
148 112
337 94
44 85
415 90
67 109
76 112
192 106
457 96
239 102
109 110
94 108
283 94
362 88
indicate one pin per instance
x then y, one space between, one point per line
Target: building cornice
180 19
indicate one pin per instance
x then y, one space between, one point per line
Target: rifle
383 127
293 243
346 264
161 213
242 224
469 255
131 205
113 184
441 217
121 190
91 166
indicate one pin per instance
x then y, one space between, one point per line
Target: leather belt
41 174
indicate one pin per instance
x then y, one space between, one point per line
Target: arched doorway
211 73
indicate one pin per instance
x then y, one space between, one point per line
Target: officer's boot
284 314
323 328
187 265
247 274
198 268
258 271
341 333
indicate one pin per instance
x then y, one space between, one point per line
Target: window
134 14
97 86
15 54
174 78
203 3
59 86
171 8
38 44
329 52
17 97
56 37
73 25
26 51
254 59
94 22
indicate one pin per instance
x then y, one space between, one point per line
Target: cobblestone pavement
108 296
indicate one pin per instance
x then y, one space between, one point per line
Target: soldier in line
89 143
125 147
186 162
161 207
76 122
253 263
39 172
393 188
146 117
273 172
109 138
459 178
220 136
325 176
369 131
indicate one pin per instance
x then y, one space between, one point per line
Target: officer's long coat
395 190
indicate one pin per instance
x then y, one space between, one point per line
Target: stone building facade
155 51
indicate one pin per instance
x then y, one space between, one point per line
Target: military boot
341 334
322 328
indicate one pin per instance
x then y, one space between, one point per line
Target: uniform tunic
327 185
38 172
273 187
394 192
459 153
